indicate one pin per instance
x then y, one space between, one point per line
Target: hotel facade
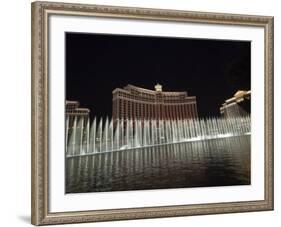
237 106
75 115
136 103
73 110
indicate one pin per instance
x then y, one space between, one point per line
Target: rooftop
158 88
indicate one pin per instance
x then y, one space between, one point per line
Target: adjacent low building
136 103
72 110
238 105
74 114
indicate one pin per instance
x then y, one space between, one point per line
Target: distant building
238 105
133 102
72 112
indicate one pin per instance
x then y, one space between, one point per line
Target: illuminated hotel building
72 112
238 105
133 102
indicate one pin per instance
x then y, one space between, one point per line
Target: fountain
85 137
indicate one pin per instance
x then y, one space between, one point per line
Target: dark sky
211 70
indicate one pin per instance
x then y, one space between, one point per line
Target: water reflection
216 162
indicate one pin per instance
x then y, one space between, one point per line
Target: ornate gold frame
40 191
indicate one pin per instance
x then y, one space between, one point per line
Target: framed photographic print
145 113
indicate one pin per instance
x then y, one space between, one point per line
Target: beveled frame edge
39 171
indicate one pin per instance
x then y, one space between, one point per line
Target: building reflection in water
214 162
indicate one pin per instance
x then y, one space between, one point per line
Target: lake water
216 162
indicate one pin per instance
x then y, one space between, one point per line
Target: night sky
211 70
